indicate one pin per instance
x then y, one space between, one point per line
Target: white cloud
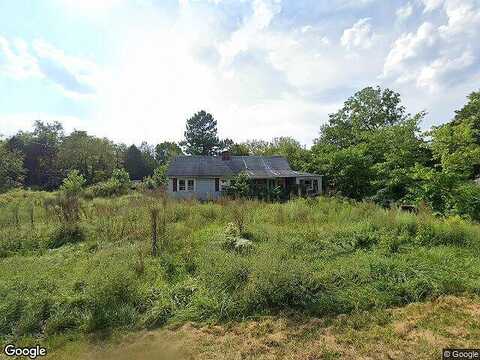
437 55
407 47
431 75
463 18
242 39
404 12
307 28
16 60
75 76
260 70
359 36
431 5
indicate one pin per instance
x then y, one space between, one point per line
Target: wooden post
154 218
32 219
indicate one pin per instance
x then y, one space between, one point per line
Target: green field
223 265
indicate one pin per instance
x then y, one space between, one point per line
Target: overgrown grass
316 257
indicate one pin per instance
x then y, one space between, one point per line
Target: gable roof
253 166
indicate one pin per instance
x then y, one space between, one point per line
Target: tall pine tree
201 135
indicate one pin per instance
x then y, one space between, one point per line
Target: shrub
466 201
113 300
122 176
233 241
109 188
73 184
239 187
66 234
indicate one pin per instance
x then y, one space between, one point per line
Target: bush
466 201
66 234
109 188
113 300
73 184
117 185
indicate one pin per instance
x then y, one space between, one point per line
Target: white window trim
186 184
193 180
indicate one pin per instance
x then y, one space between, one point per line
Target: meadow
218 263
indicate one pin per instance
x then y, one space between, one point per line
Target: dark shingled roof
255 166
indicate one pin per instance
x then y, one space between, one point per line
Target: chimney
225 155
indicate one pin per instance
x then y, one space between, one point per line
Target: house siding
204 189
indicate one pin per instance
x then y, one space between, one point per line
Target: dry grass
417 331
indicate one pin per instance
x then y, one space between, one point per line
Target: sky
135 70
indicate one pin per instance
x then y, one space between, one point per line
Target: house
204 177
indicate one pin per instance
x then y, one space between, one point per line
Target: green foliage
456 145
40 150
66 234
73 184
239 187
117 185
348 170
166 151
11 168
121 175
319 256
160 176
239 150
369 148
93 157
201 135
466 201
140 162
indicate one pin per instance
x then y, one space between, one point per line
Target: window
217 184
181 185
190 185
174 184
308 184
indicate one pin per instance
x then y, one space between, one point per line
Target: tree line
370 149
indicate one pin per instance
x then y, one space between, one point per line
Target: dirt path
417 331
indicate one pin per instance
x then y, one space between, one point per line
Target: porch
305 185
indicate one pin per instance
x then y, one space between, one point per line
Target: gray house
204 177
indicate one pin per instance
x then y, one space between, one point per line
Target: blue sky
134 70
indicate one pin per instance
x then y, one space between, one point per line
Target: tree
368 148
239 149
240 186
368 110
93 157
40 150
148 155
135 163
11 168
347 170
201 135
166 151
447 186
471 110
297 156
456 145
160 176
256 147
